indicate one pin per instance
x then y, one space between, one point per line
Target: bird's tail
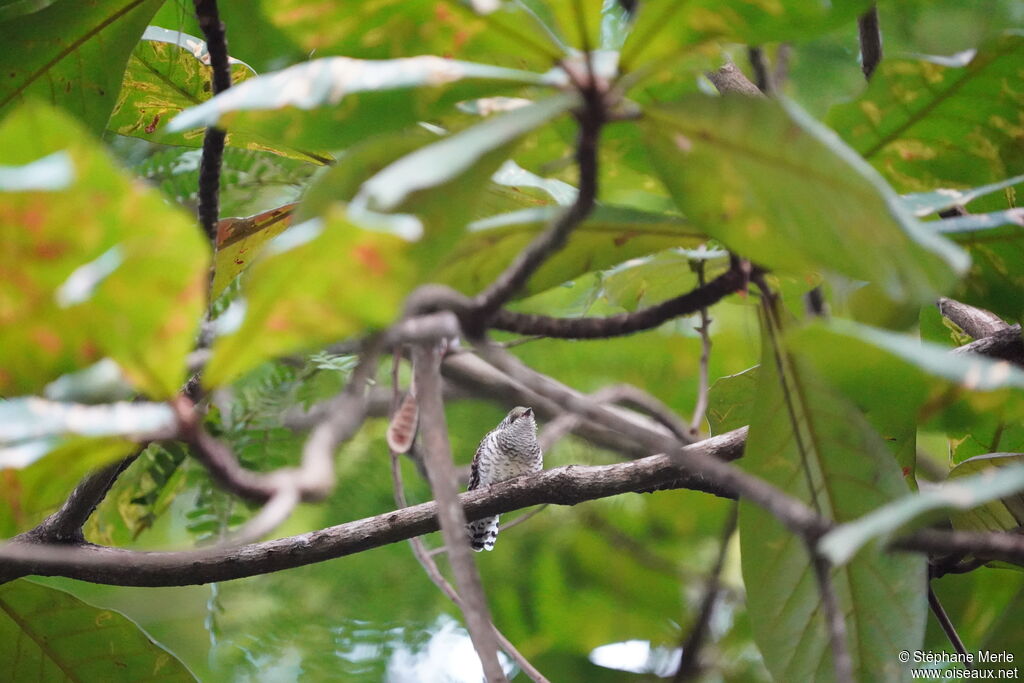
482 533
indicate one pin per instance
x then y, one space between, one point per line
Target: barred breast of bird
508 451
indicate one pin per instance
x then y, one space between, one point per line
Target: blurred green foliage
102 262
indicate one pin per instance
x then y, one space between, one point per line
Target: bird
509 450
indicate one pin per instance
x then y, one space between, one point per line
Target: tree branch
728 78
977 322
1005 345
437 578
213 142
834 620
689 658
870 41
560 486
944 621
526 263
692 302
441 474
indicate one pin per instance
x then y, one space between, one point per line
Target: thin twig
834 620
705 355
870 41
441 474
689 658
947 625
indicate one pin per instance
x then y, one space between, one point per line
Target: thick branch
1005 345
624 323
977 322
561 486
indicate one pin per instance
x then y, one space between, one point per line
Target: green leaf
778 188
240 240
939 122
609 236
731 401
317 282
47 634
10 9
1006 514
665 28
54 172
72 54
650 280
927 203
963 493
814 445
104 267
331 102
32 427
442 161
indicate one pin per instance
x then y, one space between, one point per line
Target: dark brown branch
65 525
689 658
1005 345
834 620
759 64
947 625
870 41
692 302
441 474
561 486
213 142
1005 546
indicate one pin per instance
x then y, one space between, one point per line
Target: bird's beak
529 411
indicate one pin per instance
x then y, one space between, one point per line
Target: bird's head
520 418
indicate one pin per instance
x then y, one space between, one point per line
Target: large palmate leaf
811 443
778 188
317 282
103 267
329 103
937 122
49 635
666 27
72 54
609 236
